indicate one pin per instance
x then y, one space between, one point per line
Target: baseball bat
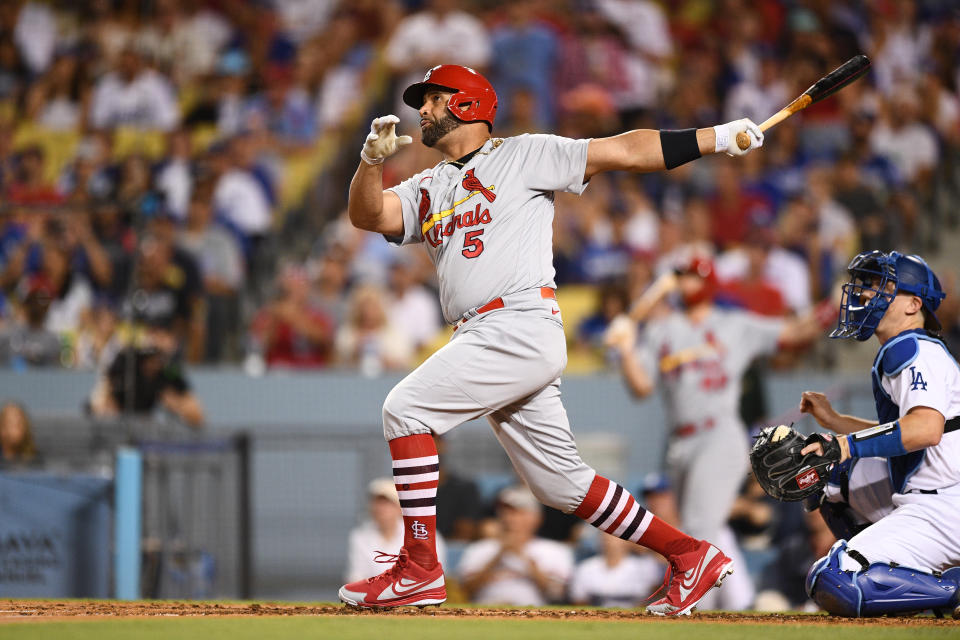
826 86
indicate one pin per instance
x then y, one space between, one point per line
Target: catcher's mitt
780 469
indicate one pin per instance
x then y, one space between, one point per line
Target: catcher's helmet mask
874 271
473 99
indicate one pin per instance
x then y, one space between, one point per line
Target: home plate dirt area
41 610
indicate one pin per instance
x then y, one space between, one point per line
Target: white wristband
723 137
368 159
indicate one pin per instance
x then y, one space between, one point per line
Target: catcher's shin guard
878 589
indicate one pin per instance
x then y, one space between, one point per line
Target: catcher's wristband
882 441
368 159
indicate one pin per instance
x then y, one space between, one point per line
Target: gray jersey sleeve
554 163
409 193
758 335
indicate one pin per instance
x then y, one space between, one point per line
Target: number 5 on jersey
472 244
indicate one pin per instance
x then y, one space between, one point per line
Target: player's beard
439 128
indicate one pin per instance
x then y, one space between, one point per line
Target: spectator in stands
174 177
97 342
134 96
380 534
524 57
617 576
612 300
27 341
29 185
59 99
746 282
166 290
185 38
873 220
16 437
13 72
88 177
239 198
733 207
62 253
330 284
441 33
414 309
369 341
284 110
220 260
516 568
153 371
231 88
290 331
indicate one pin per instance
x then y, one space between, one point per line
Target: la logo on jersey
419 530
916 380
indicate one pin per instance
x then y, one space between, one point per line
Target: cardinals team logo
808 479
472 183
424 212
419 530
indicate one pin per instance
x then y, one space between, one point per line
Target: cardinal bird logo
472 183
424 205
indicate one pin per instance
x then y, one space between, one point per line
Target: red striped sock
416 473
612 509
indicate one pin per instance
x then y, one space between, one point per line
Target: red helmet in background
473 99
701 266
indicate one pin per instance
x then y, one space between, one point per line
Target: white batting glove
383 141
727 136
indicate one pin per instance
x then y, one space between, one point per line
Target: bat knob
743 140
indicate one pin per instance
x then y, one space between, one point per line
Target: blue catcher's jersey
915 369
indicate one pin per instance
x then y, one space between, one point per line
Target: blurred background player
909 559
697 356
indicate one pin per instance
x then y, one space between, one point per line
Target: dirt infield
20 610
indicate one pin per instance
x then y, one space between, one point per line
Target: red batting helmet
473 99
701 266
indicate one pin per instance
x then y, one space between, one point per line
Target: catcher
899 475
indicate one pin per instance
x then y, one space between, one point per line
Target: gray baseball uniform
488 227
699 369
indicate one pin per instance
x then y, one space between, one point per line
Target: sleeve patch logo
807 478
916 380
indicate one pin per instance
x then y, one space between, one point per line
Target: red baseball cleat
404 584
693 574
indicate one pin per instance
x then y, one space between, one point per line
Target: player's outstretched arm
818 405
643 150
922 427
368 205
621 336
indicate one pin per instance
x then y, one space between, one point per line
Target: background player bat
826 86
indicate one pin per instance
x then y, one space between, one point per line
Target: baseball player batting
485 215
909 558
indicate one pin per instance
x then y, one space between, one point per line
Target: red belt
689 429
497 303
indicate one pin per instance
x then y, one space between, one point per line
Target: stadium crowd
147 150
173 177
